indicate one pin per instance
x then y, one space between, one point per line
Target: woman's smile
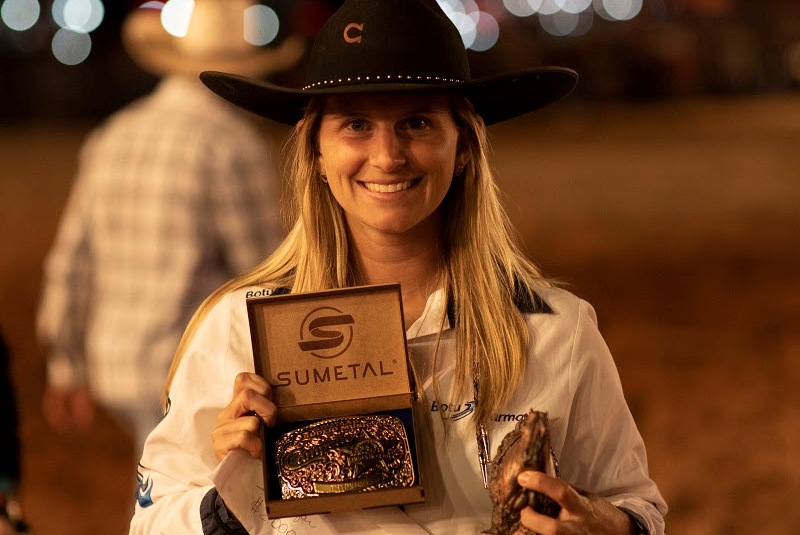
390 188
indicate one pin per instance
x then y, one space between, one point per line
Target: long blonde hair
483 270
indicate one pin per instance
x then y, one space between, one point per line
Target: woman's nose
388 150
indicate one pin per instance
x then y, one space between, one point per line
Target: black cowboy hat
393 46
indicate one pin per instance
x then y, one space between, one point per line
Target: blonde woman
391 184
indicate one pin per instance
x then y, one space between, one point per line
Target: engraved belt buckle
344 454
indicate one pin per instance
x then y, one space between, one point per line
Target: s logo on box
319 335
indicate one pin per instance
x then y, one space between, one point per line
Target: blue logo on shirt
456 412
462 410
145 488
465 412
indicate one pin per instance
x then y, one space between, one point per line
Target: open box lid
323 352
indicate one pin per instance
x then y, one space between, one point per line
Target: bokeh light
78 15
559 24
20 15
458 14
466 27
71 47
261 25
617 9
575 6
479 30
175 16
487 32
575 17
519 8
567 23
71 44
549 7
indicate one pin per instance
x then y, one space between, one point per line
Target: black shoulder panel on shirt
526 302
526 305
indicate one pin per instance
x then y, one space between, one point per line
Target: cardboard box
334 354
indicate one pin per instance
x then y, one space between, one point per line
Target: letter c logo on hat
349 36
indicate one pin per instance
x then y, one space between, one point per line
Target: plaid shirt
174 196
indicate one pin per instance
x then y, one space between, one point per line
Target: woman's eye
415 123
356 125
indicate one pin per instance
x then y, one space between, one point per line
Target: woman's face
389 159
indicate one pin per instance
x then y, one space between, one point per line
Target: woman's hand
582 513
239 424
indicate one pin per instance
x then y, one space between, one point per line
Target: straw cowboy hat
388 46
214 41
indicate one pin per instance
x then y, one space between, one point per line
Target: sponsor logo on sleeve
144 490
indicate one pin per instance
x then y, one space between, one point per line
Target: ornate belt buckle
344 454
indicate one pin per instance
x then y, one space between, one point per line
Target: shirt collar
431 318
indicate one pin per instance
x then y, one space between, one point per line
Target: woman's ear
462 159
320 164
463 152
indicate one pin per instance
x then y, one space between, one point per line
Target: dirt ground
678 221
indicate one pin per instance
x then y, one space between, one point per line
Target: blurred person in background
175 194
11 521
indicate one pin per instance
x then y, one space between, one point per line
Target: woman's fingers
560 491
252 381
538 523
556 489
243 432
251 396
239 423
582 513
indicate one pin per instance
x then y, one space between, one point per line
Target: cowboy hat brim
495 98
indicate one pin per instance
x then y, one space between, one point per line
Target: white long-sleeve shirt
570 375
175 194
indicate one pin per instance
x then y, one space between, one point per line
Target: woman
391 184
